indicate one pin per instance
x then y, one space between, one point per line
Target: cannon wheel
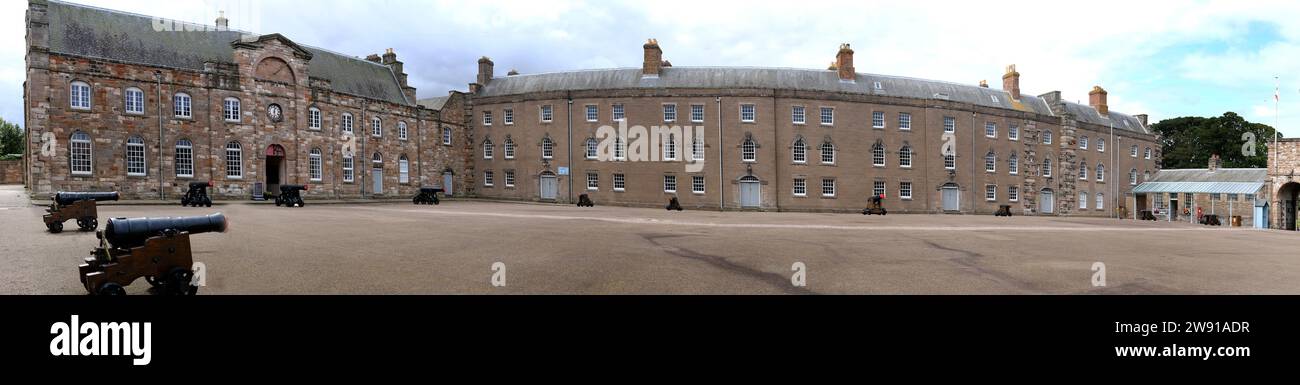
87 224
207 202
153 281
178 281
300 202
55 227
110 288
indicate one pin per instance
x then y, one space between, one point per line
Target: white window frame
446 136
546 113
487 118
593 181
748 112
182 105
878 155
489 151
1013 165
593 113
401 130
990 130
1101 172
313 119
488 177
828 189
1083 170
1147 153
949 124
133 101
905 157
1047 136
619 182
81 154
1101 144
877 119
349 165
749 151
1046 168
670 183
79 96
188 147
1101 201
670 112
1013 132
347 122
991 162
509 147
376 127
617 113
1013 193
990 193
949 162
1084 197
670 148
698 185
510 178
905 121
315 165
592 148
827 152
879 188
230 110
135 157
234 160
800 187
905 191
1133 177
827 116
697 113
798 115
403 169
1083 142
697 149
508 116
799 152
548 148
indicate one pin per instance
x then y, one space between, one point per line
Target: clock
274 113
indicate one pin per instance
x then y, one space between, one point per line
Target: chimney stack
654 59
1142 118
984 84
1011 82
513 72
374 57
1214 162
485 71
223 24
1097 99
844 64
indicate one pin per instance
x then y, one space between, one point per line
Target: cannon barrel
67 198
430 190
133 232
292 187
200 184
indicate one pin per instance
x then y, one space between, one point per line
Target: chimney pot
984 83
222 22
844 64
654 59
1097 99
1011 82
1142 118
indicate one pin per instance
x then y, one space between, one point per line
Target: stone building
119 101
801 140
1179 195
1284 165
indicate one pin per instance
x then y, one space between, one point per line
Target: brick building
1284 164
1182 194
118 101
801 140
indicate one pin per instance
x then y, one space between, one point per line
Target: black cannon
673 204
1003 211
157 249
197 195
585 201
76 205
290 195
1211 220
876 208
427 196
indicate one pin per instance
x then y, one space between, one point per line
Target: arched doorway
1047 201
549 188
276 170
751 195
951 194
1288 196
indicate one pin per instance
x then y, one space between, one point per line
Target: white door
1047 202
750 192
378 176
951 198
550 187
447 179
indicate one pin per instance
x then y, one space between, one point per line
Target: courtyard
399 248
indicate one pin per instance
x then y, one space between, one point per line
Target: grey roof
784 78
1202 181
107 34
1087 114
434 103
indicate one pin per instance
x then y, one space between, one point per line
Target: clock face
273 112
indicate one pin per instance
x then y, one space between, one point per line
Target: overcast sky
1162 58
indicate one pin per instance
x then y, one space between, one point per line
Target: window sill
697 192
619 190
828 197
909 199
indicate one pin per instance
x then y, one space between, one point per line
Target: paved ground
407 249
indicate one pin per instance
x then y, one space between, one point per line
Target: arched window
230 109
488 149
990 162
403 170
828 153
878 154
905 157
133 101
1047 168
510 148
799 153
1101 201
377 160
592 147
79 153
184 159
79 95
670 148
376 127
401 130
314 165
234 161
1101 172
1083 142
1047 136
1013 164
749 150
313 118
135 159
181 105
1133 176
1083 170
1101 144
548 148
620 148
347 123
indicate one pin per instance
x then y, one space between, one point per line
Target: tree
11 139
1190 141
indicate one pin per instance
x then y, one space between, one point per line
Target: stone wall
11 171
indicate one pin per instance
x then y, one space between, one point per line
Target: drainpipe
569 143
722 179
157 76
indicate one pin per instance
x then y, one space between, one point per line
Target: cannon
197 195
427 196
585 201
290 195
76 205
156 249
673 204
1003 211
876 208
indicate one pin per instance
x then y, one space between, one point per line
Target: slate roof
434 103
114 35
792 79
1202 181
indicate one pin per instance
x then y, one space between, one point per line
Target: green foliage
11 139
1190 141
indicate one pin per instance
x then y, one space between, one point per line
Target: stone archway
276 168
1288 203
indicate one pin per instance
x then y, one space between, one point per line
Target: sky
1162 58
